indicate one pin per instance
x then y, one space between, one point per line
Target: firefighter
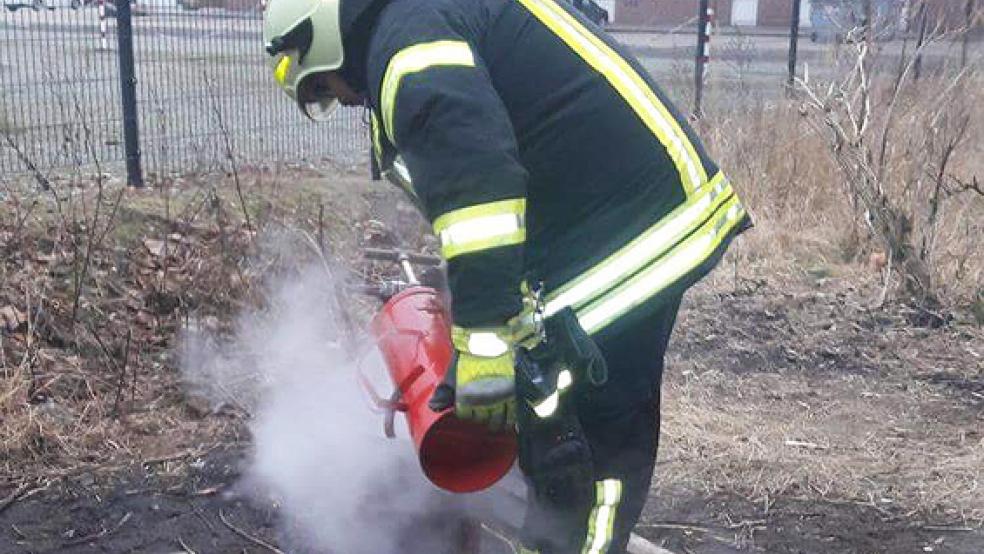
574 206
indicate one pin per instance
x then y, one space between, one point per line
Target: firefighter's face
339 88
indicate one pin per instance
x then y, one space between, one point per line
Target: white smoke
318 450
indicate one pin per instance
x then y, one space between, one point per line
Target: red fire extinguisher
412 332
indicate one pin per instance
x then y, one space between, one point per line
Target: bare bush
897 145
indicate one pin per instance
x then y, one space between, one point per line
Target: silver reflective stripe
564 380
399 175
601 521
548 406
653 243
481 227
664 272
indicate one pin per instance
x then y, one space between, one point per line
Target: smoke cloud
318 450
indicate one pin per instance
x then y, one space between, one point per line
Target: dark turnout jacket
540 149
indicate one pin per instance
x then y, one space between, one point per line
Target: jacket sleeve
448 123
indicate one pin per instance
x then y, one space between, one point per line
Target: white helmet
303 39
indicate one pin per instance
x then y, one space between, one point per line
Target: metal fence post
702 23
128 93
969 13
794 27
917 63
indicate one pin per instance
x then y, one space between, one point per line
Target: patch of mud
823 328
160 510
197 507
724 524
150 509
972 389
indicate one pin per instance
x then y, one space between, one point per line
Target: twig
230 154
887 280
501 536
102 533
122 382
94 239
972 186
946 529
677 527
247 536
746 523
806 445
175 456
32 168
21 491
186 548
321 227
688 528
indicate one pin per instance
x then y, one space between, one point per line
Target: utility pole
794 29
702 57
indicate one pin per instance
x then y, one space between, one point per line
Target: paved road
759 63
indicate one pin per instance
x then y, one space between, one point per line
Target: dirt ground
190 504
797 418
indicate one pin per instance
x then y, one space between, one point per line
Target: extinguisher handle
389 423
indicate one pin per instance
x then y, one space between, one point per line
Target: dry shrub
851 440
920 148
784 177
100 387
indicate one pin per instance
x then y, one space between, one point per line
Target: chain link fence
204 96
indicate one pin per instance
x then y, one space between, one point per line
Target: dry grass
853 439
787 175
778 383
800 389
104 388
783 390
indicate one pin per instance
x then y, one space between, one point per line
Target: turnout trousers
620 421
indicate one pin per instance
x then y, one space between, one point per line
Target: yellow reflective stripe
377 143
512 206
280 72
601 521
682 259
645 248
481 227
629 84
414 59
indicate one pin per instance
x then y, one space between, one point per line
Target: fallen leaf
13 320
145 318
155 247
